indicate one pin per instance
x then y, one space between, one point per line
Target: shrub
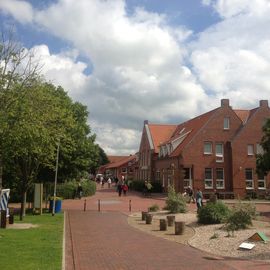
67 190
213 213
175 202
153 208
240 217
137 185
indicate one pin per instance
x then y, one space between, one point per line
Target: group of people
122 186
198 196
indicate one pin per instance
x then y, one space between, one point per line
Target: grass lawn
35 248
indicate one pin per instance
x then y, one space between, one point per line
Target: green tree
18 70
263 159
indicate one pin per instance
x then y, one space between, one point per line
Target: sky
156 60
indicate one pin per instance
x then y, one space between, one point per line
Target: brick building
215 150
120 166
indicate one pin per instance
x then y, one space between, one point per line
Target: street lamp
55 179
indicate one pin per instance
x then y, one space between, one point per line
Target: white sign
248 246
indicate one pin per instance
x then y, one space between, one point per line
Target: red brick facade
215 150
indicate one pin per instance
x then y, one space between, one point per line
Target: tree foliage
263 159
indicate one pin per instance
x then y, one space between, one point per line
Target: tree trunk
23 203
1 170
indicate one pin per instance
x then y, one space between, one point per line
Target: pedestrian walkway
104 240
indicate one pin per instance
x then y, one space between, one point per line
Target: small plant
175 202
213 213
214 236
153 208
240 217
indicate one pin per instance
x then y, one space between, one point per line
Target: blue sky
165 61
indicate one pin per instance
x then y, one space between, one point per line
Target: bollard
129 205
84 206
11 216
171 220
3 219
149 218
98 205
163 224
179 227
144 215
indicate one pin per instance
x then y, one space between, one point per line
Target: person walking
119 187
79 191
199 198
190 194
109 182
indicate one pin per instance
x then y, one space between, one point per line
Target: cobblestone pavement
104 240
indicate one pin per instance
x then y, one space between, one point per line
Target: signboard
38 198
4 196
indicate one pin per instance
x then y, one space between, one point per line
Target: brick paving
104 240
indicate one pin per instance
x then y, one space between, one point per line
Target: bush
175 202
153 208
137 185
240 217
213 213
67 190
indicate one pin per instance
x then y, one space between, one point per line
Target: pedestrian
190 194
79 191
125 188
102 181
199 198
109 182
119 187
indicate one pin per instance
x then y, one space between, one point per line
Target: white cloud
143 68
20 10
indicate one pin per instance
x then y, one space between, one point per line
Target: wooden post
84 206
163 224
179 227
3 219
129 205
144 215
149 218
171 220
98 205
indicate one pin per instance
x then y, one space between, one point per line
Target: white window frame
219 155
205 146
250 150
248 181
208 180
220 180
188 181
124 169
262 180
226 123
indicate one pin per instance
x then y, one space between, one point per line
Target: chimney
225 102
263 103
145 122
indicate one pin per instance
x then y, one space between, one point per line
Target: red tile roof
115 158
190 127
121 162
160 134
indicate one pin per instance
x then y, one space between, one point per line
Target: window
219 152
208 178
259 149
124 170
219 178
250 149
130 170
207 148
261 182
187 177
226 123
249 178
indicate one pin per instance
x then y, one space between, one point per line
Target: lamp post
55 179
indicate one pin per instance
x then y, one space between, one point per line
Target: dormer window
226 123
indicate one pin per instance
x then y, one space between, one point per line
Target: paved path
103 240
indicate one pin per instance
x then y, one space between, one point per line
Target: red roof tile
121 162
160 134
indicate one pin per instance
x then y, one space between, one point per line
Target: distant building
120 166
215 150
